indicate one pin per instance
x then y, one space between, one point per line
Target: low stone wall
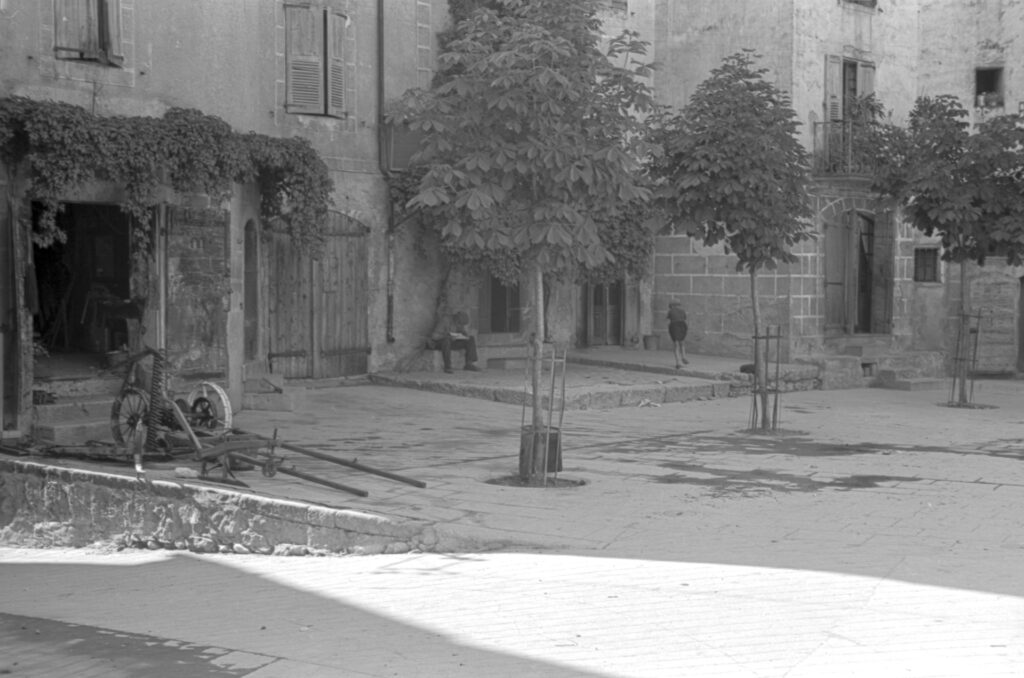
44 506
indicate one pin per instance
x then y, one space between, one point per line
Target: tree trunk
760 358
964 332
531 453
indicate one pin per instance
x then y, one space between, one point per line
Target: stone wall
44 506
716 297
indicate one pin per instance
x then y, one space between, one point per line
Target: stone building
868 285
224 296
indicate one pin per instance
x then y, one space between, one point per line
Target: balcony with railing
842 148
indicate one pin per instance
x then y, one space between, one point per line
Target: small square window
988 87
926 264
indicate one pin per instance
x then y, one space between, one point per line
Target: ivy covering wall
57 148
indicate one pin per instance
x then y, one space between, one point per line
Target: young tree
531 143
734 170
965 187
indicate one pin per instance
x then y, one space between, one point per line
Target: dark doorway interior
865 275
82 300
604 314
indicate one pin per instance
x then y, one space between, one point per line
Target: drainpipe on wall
383 162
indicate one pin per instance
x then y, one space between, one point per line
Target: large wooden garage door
318 307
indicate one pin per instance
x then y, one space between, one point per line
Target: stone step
79 387
73 433
264 383
506 364
913 384
289 400
579 398
91 408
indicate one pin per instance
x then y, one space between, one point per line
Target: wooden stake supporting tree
762 391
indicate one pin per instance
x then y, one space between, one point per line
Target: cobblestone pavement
878 533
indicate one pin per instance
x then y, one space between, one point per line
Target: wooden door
340 279
840 277
318 307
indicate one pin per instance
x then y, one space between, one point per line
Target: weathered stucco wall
964 36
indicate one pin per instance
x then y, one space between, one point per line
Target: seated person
452 332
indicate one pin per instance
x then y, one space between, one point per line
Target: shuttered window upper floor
315 59
88 30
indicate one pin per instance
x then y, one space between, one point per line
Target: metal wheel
209 408
128 416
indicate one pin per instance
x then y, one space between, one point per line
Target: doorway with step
82 301
859 282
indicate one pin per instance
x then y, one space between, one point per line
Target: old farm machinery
148 420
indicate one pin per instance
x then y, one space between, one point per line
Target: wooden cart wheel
209 408
128 416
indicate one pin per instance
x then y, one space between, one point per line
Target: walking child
677 329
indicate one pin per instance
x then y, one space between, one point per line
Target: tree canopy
965 187
532 135
733 168
734 172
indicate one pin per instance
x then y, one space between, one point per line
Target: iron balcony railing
840 147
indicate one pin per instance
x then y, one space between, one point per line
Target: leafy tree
531 143
967 188
733 169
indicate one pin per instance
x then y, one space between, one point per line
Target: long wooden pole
334 460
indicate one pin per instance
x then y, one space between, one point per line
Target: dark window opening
988 87
506 312
864 3
926 264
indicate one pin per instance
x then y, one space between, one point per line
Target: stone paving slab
877 533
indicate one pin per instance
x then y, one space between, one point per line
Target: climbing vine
61 147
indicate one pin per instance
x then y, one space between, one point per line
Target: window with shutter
845 79
315 60
865 79
88 30
833 87
335 44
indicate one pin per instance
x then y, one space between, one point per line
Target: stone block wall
716 296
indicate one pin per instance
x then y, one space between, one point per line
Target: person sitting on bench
452 332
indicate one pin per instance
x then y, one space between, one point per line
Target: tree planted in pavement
733 170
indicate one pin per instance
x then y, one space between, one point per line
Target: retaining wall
43 506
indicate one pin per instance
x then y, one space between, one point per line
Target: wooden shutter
76 33
111 26
865 79
305 59
833 88
335 43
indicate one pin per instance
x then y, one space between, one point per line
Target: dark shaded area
34 644
722 482
176 602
